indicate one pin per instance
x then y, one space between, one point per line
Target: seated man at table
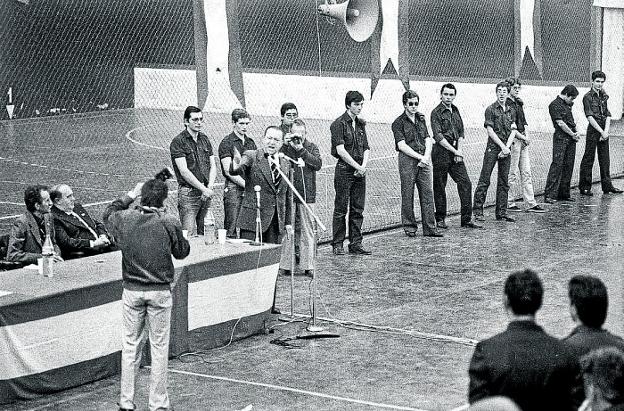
77 234
29 230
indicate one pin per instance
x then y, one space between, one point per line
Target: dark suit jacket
25 241
72 236
584 339
255 169
524 363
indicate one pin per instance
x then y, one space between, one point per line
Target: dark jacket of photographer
305 177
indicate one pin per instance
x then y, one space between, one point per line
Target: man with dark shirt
298 147
349 144
29 230
520 179
588 307
448 159
234 185
523 363
500 124
599 117
195 169
564 146
412 141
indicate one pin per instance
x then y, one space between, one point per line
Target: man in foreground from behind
147 237
523 363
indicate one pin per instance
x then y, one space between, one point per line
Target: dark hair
604 368
512 81
299 122
449 86
570 91
503 84
55 193
153 193
524 292
599 74
189 110
353 97
239 113
409 94
32 196
588 295
287 106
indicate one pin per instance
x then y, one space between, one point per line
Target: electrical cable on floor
200 353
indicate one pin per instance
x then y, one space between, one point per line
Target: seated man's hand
101 242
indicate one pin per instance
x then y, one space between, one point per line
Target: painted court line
295 390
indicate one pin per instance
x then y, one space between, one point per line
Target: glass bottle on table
47 250
209 228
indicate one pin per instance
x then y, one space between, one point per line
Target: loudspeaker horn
359 16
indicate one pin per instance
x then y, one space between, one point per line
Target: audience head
523 292
496 403
502 91
193 119
514 86
62 197
410 102
154 193
289 113
588 300
298 128
273 139
190 110
599 74
37 199
603 374
448 93
569 93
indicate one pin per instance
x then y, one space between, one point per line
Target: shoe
613 190
479 217
549 200
126 409
275 311
514 208
536 209
470 224
434 234
308 273
441 224
587 193
410 233
506 218
283 272
359 250
566 199
338 250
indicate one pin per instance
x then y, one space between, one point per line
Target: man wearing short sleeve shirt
349 145
564 146
599 118
500 125
447 158
234 185
195 169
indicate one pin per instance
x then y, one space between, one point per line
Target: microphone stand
317 223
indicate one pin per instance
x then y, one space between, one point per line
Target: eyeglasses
291 115
197 119
412 104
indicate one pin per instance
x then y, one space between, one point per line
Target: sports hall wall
66 56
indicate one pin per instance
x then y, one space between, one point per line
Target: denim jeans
422 177
520 179
232 197
304 241
192 209
560 171
490 159
351 195
593 143
139 308
459 174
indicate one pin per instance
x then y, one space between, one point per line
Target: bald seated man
77 234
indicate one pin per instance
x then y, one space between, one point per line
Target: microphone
257 189
298 162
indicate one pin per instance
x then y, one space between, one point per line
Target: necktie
274 171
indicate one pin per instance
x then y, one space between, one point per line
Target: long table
61 332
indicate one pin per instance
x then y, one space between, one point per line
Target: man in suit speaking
77 234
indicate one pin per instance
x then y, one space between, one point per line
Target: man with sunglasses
414 144
289 114
195 169
448 159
